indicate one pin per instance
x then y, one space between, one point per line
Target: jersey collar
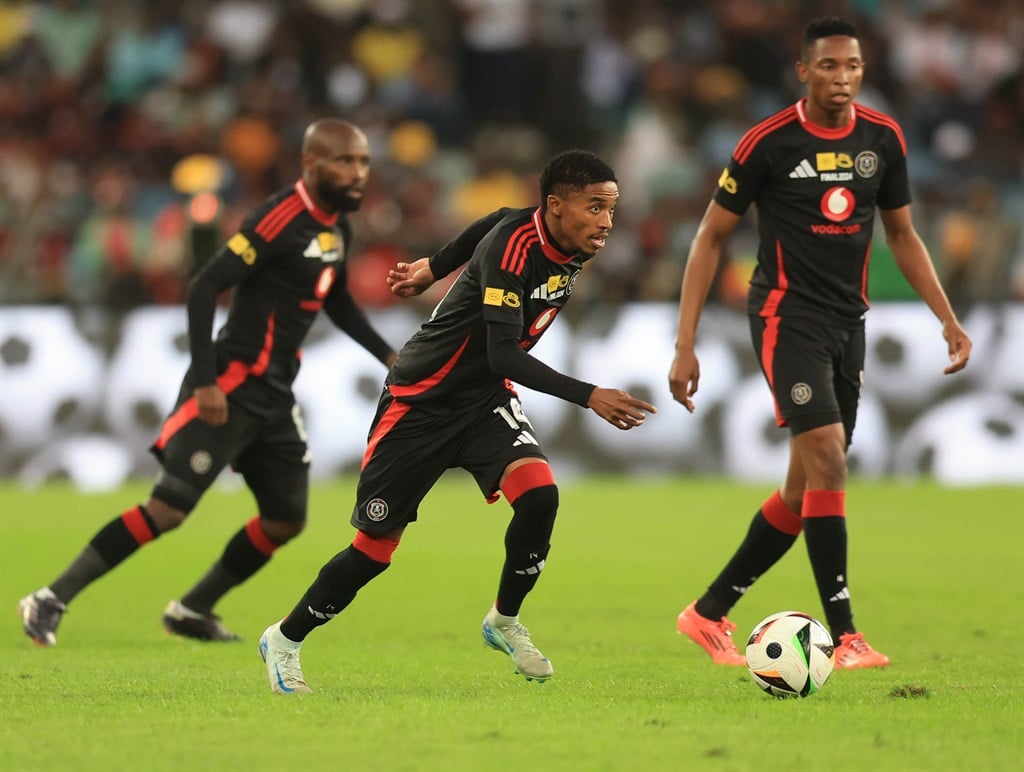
822 131
547 243
318 214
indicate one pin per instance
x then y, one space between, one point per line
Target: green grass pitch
403 681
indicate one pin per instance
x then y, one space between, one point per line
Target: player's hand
959 347
619 408
408 279
684 377
212 404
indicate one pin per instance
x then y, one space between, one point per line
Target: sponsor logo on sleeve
495 296
240 245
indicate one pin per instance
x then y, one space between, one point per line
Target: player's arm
911 256
225 269
408 279
701 266
508 360
341 308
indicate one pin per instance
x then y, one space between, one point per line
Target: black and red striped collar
822 131
319 214
547 241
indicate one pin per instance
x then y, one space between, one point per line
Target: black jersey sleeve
222 271
507 359
894 191
458 251
348 317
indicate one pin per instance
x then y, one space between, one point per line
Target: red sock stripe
374 547
823 503
259 537
782 517
137 526
523 478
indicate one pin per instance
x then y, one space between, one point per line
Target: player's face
581 221
832 73
339 173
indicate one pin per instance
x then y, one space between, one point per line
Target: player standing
448 402
817 171
236 404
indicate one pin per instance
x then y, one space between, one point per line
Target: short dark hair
824 27
573 170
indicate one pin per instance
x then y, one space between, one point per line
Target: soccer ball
790 654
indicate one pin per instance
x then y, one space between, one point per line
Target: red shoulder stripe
878 117
273 222
511 249
749 140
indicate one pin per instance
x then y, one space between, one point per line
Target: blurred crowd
134 136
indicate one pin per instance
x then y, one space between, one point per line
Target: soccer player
448 402
817 171
236 404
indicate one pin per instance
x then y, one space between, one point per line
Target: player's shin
337 584
116 541
527 542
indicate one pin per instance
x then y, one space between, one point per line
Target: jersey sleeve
458 251
242 254
894 190
740 184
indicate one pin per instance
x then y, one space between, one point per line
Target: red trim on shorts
822 503
386 423
769 340
781 517
137 526
527 477
375 547
232 377
259 537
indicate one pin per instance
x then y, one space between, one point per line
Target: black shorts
265 444
815 370
412 444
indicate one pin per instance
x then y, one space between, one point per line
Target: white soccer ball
790 654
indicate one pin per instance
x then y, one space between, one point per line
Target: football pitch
402 679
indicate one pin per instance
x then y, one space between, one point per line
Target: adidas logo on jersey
803 170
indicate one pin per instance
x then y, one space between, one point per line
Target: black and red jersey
286 262
816 190
514 285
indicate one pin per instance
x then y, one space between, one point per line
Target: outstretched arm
912 258
507 359
701 266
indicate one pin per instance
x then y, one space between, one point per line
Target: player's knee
378 548
164 516
533 521
282 531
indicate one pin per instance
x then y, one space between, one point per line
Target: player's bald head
323 137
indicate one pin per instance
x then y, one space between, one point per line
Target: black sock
527 543
762 548
114 542
335 587
826 547
241 559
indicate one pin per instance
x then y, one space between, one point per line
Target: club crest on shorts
800 393
200 462
377 510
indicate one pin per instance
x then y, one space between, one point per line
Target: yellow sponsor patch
493 296
240 245
557 282
329 242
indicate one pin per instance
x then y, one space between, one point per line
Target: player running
236 406
449 402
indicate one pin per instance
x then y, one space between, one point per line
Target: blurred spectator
101 99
